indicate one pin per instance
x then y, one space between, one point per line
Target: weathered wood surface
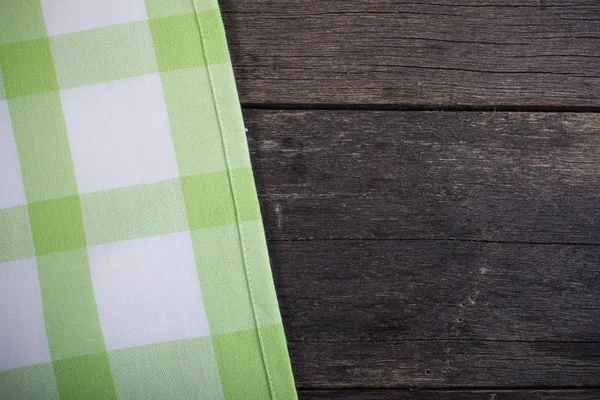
430 290
539 53
451 394
510 177
432 249
439 314
447 251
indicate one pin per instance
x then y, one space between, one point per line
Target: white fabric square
23 338
64 16
119 133
147 291
12 192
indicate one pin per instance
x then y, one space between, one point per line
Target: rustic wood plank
374 291
500 394
387 313
511 177
381 314
442 363
437 54
439 314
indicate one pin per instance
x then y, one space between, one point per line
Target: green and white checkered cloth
133 263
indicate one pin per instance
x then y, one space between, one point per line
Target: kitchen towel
133 263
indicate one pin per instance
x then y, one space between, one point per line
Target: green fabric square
241 366
209 199
27 68
72 323
16 240
193 121
177 42
134 212
103 54
85 377
214 36
181 369
35 382
222 277
43 146
21 20
57 225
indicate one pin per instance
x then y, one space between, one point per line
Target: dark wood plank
451 394
442 363
511 177
430 290
439 314
441 53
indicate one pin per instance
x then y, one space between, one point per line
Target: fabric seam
235 202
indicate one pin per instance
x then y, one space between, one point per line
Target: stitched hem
235 202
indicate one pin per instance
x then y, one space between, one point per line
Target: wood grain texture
451 394
432 249
375 291
509 177
419 53
429 249
439 314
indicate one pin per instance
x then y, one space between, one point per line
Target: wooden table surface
429 176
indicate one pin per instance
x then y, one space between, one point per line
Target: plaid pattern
133 263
